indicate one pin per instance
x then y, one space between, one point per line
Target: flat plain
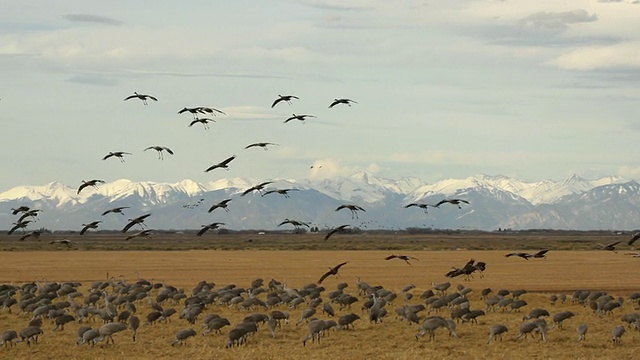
297 260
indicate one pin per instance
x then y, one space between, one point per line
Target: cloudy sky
444 88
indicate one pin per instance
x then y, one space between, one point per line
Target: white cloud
623 55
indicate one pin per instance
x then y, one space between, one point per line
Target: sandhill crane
342 101
19 209
297 224
107 330
116 210
33 213
144 233
19 225
539 255
91 225
332 271
420 205
8 338
93 183
222 204
406 258
134 324
340 228
609 247
283 192
633 239
316 327
451 201
258 188
263 145
286 98
211 226
160 150
30 333
67 242
353 208
582 332
496 331
118 154
201 110
560 317
142 97
617 333
139 220
222 165
182 336
633 254
204 121
299 117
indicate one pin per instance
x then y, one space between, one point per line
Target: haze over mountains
495 202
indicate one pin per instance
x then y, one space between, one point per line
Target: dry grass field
562 272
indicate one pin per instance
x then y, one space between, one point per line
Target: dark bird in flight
284 192
451 201
222 204
93 183
211 226
19 225
340 228
160 150
258 188
118 154
539 255
204 121
342 101
353 208
635 237
285 98
143 233
401 257
91 225
298 117
260 144
609 247
420 205
33 213
142 97
138 220
222 165
19 209
117 210
201 110
332 271
297 224
63 242
35 233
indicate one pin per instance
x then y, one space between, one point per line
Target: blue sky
445 89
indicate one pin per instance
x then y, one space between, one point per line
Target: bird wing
277 101
334 103
613 244
635 237
340 207
203 230
168 150
391 257
337 267
541 252
108 156
193 122
285 222
212 167
228 160
130 97
251 145
82 187
269 192
464 201
152 97
441 202
511 254
150 148
359 208
324 276
128 226
84 229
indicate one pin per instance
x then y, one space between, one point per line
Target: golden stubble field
562 271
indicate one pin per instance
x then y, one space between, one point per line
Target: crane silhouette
142 97
451 201
284 192
401 257
298 117
116 210
144 233
91 225
260 144
139 220
353 208
93 183
211 226
342 101
332 271
222 204
285 98
258 188
160 150
204 121
201 110
340 228
118 154
422 206
222 165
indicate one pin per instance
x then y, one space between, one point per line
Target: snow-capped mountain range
494 202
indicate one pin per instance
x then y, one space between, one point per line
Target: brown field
563 271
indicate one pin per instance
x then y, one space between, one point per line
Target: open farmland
563 271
